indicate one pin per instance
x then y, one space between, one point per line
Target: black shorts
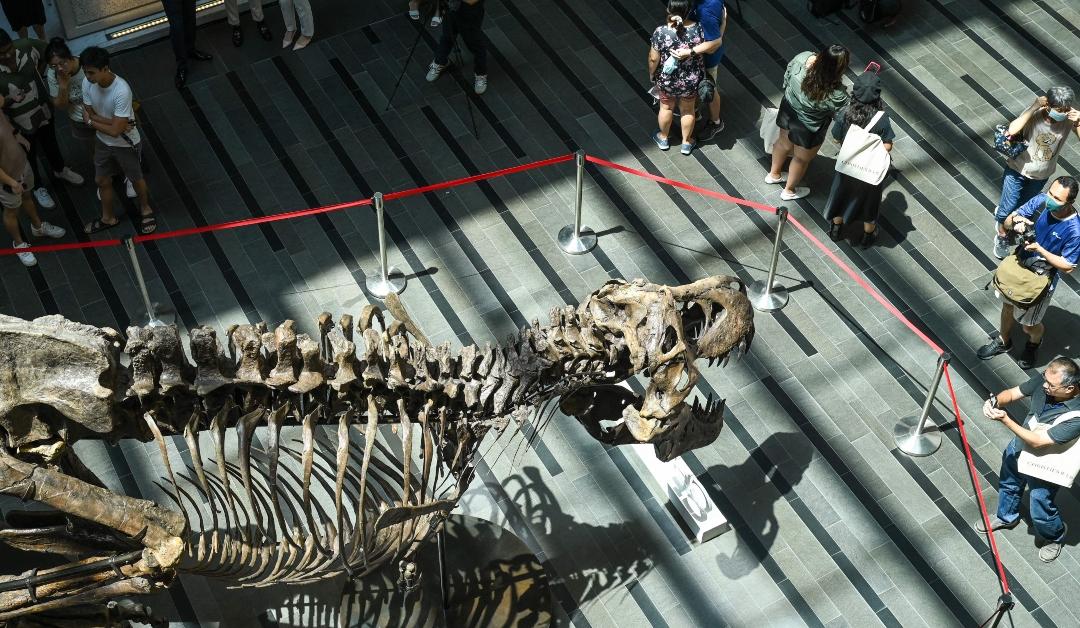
798 133
23 13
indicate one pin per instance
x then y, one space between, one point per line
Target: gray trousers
232 12
291 8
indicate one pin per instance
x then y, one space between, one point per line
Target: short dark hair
1071 185
1060 97
1070 371
57 48
5 38
94 57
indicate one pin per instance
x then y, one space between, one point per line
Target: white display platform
686 493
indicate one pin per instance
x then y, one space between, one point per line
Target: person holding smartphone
16 181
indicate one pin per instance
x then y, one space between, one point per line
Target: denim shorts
1016 189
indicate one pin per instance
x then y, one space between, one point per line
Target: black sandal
237 36
868 239
97 225
836 231
147 224
264 31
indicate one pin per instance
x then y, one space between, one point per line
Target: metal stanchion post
917 435
152 319
576 239
769 296
389 278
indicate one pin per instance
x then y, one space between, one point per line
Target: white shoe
302 42
129 189
797 194
436 20
47 230
780 179
69 175
27 259
287 40
480 83
435 71
43 198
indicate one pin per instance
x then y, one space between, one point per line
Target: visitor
465 18
1044 125
1055 249
289 10
181 14
813 92
26 103
16 181
1053 394
712 16
107 108
850 199
676 81
232 15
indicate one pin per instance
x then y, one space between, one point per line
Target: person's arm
1032 438
11 182
708 46
61 81
1060 262
992 409
654 60
1074 117
1021 121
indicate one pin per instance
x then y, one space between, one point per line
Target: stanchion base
161 316
379 287
576 243
914 444
765 300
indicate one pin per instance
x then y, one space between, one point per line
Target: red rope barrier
680 184
975 481
300 213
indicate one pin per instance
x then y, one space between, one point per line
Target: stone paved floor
831 524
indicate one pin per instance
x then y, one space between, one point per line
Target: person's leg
307 19
471 27
799 163
174 12
1035 333
1044 512
32 153
189 25
1010 486
30 209
130 160
105 191
39 31
780 151
256 8
46 134
664 117
688 109
1005 323
232 12
11 224
446 39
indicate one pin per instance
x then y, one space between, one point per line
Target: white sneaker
27 259
47 230
435 71
129 189
69 175
780 179
799 192
480 84
43 198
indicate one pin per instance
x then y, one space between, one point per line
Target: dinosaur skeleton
263 520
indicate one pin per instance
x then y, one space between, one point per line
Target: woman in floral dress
674 79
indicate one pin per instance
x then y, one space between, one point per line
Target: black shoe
836 230
264 31
868 239
199 55
994 347
1027 358
709 130
237 36
181 78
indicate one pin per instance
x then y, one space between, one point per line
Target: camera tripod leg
419 34
459 62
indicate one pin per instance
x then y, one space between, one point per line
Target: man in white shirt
107 107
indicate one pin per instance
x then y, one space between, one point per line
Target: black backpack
873 10
821 8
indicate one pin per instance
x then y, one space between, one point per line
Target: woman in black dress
852 200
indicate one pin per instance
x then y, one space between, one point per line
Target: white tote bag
1057 464
863 155
767 128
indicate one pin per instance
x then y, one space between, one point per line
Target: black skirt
799 134
23 13
853 200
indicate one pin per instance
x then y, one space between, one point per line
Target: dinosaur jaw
687 427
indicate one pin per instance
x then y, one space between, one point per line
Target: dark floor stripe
652 614
229 166
1025 34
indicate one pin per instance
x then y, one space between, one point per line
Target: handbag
1020 285
1057 463
1008 145
863 155
767 128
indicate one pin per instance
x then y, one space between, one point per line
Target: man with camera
465 18
1054 395
1051 245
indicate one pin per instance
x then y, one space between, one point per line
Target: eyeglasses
1050 386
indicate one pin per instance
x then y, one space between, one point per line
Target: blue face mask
1056 115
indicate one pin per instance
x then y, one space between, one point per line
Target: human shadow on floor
769 472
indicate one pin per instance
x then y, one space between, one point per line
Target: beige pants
291 8
232 11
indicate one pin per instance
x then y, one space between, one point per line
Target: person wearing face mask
1045 126
1056 247
1054 394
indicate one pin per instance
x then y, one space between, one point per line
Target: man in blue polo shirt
1056 248
712 16
1053 394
